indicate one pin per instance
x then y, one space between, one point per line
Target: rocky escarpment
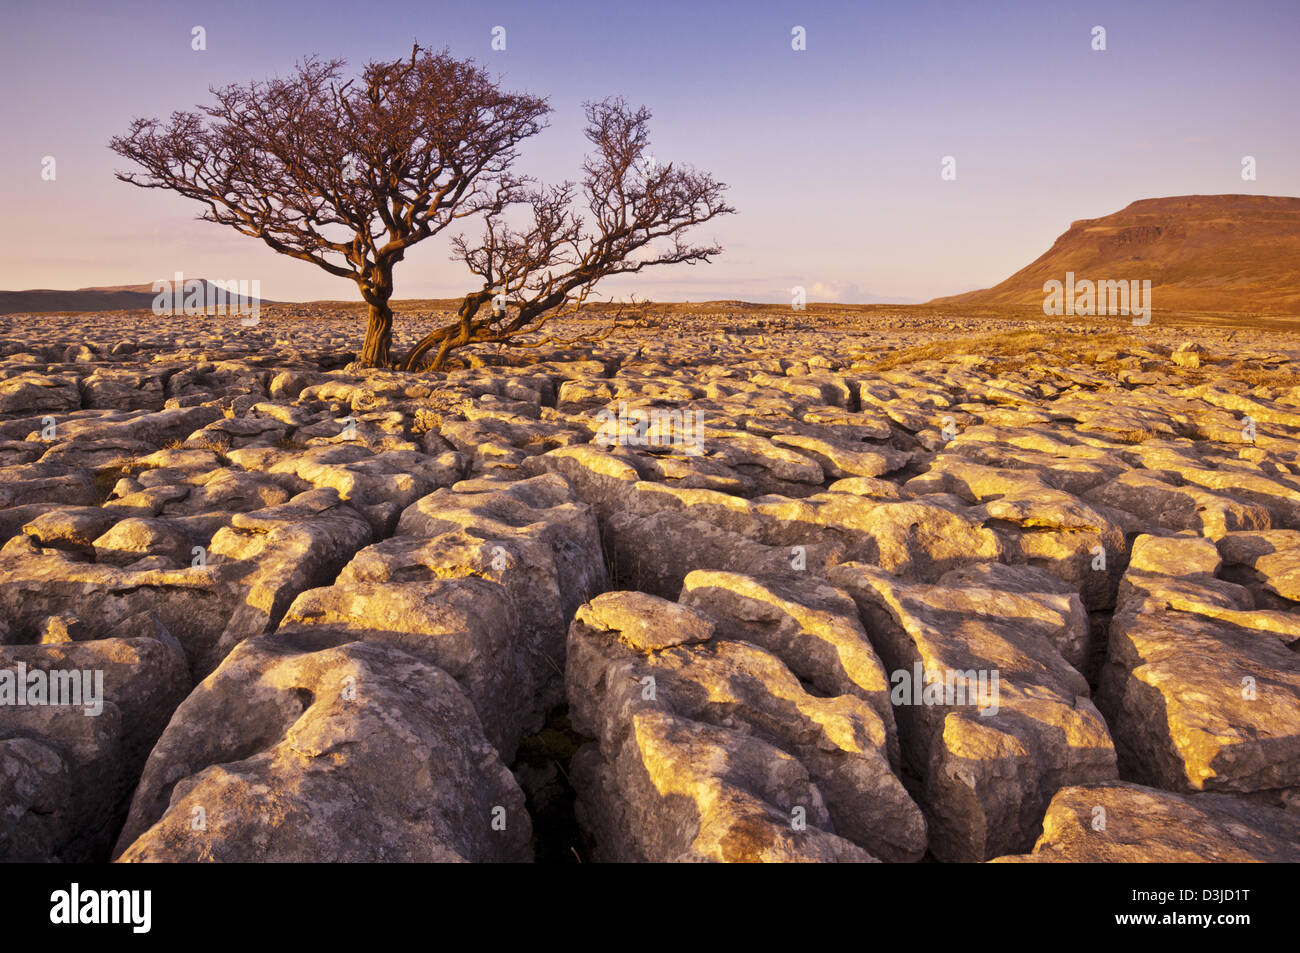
1224 254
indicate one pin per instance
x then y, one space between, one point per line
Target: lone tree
345 175
349 175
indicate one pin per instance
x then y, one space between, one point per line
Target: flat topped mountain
109 298
1222 253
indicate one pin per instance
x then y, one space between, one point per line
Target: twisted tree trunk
379 336
449 337
376 289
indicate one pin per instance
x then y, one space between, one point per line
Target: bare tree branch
637 215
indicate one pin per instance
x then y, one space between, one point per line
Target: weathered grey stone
295 752
67 771
1127 823
991 717
841 741
1200 689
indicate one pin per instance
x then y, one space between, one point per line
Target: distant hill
1220 253
112 298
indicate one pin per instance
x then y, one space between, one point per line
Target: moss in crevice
542 769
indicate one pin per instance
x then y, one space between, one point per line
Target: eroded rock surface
695 720
1202 689
340 612
992 718
298 750
1128 823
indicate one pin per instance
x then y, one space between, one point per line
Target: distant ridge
1219 253
111 298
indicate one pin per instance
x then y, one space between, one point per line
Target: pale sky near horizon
833 153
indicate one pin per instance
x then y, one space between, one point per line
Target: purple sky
833 154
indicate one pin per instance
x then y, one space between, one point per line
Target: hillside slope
119 298
1220 253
